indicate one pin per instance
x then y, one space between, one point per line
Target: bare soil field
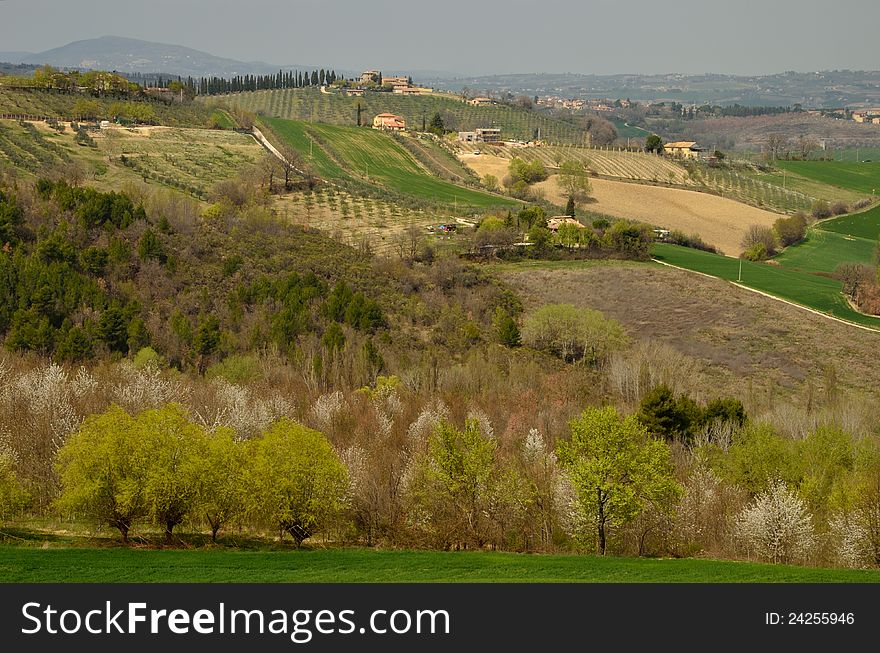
744 342
717 220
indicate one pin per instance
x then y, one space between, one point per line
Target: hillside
314 106
731 338
189 160
373 157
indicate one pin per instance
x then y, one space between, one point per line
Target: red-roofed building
389 122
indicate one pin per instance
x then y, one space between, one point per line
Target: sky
478 36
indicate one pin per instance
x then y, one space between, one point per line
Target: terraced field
371 156
192 160
362 222
29 148
313 106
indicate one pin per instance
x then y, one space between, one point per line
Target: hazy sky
478 36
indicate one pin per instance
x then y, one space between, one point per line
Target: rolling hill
314 106
365 155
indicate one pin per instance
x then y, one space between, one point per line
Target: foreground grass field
120 565
371 156
811 290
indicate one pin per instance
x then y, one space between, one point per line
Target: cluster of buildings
400 84
577 104
867 115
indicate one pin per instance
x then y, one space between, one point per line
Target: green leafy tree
150 247
506 329
617 471
667 416
296 480
654 143
570 206
573 334
437 126
177 449
223 486
103 468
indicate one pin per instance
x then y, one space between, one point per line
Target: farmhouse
407 90
395 81
553 224
355 92
683 149
389 122
481 102
482 135
370 76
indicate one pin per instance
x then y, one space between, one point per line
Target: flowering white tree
777 525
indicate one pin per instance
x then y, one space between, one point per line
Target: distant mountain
14 57
136 56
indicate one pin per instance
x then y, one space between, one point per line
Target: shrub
839 208
760 242
821 210
791 230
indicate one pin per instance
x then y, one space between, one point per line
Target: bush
148 357
839 208
821 210
759 243
791 230
530 173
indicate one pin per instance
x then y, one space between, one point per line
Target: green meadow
125 565
375 157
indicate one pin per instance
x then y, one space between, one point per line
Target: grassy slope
814 291
861 225
118 565
860 177
337 109
374 156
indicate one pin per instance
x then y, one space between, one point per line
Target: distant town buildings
389 122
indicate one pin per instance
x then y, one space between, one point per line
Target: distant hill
136 56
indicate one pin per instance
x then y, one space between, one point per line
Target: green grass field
860 177
848 239
121 565
311 105
811 290
860 225
369 155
